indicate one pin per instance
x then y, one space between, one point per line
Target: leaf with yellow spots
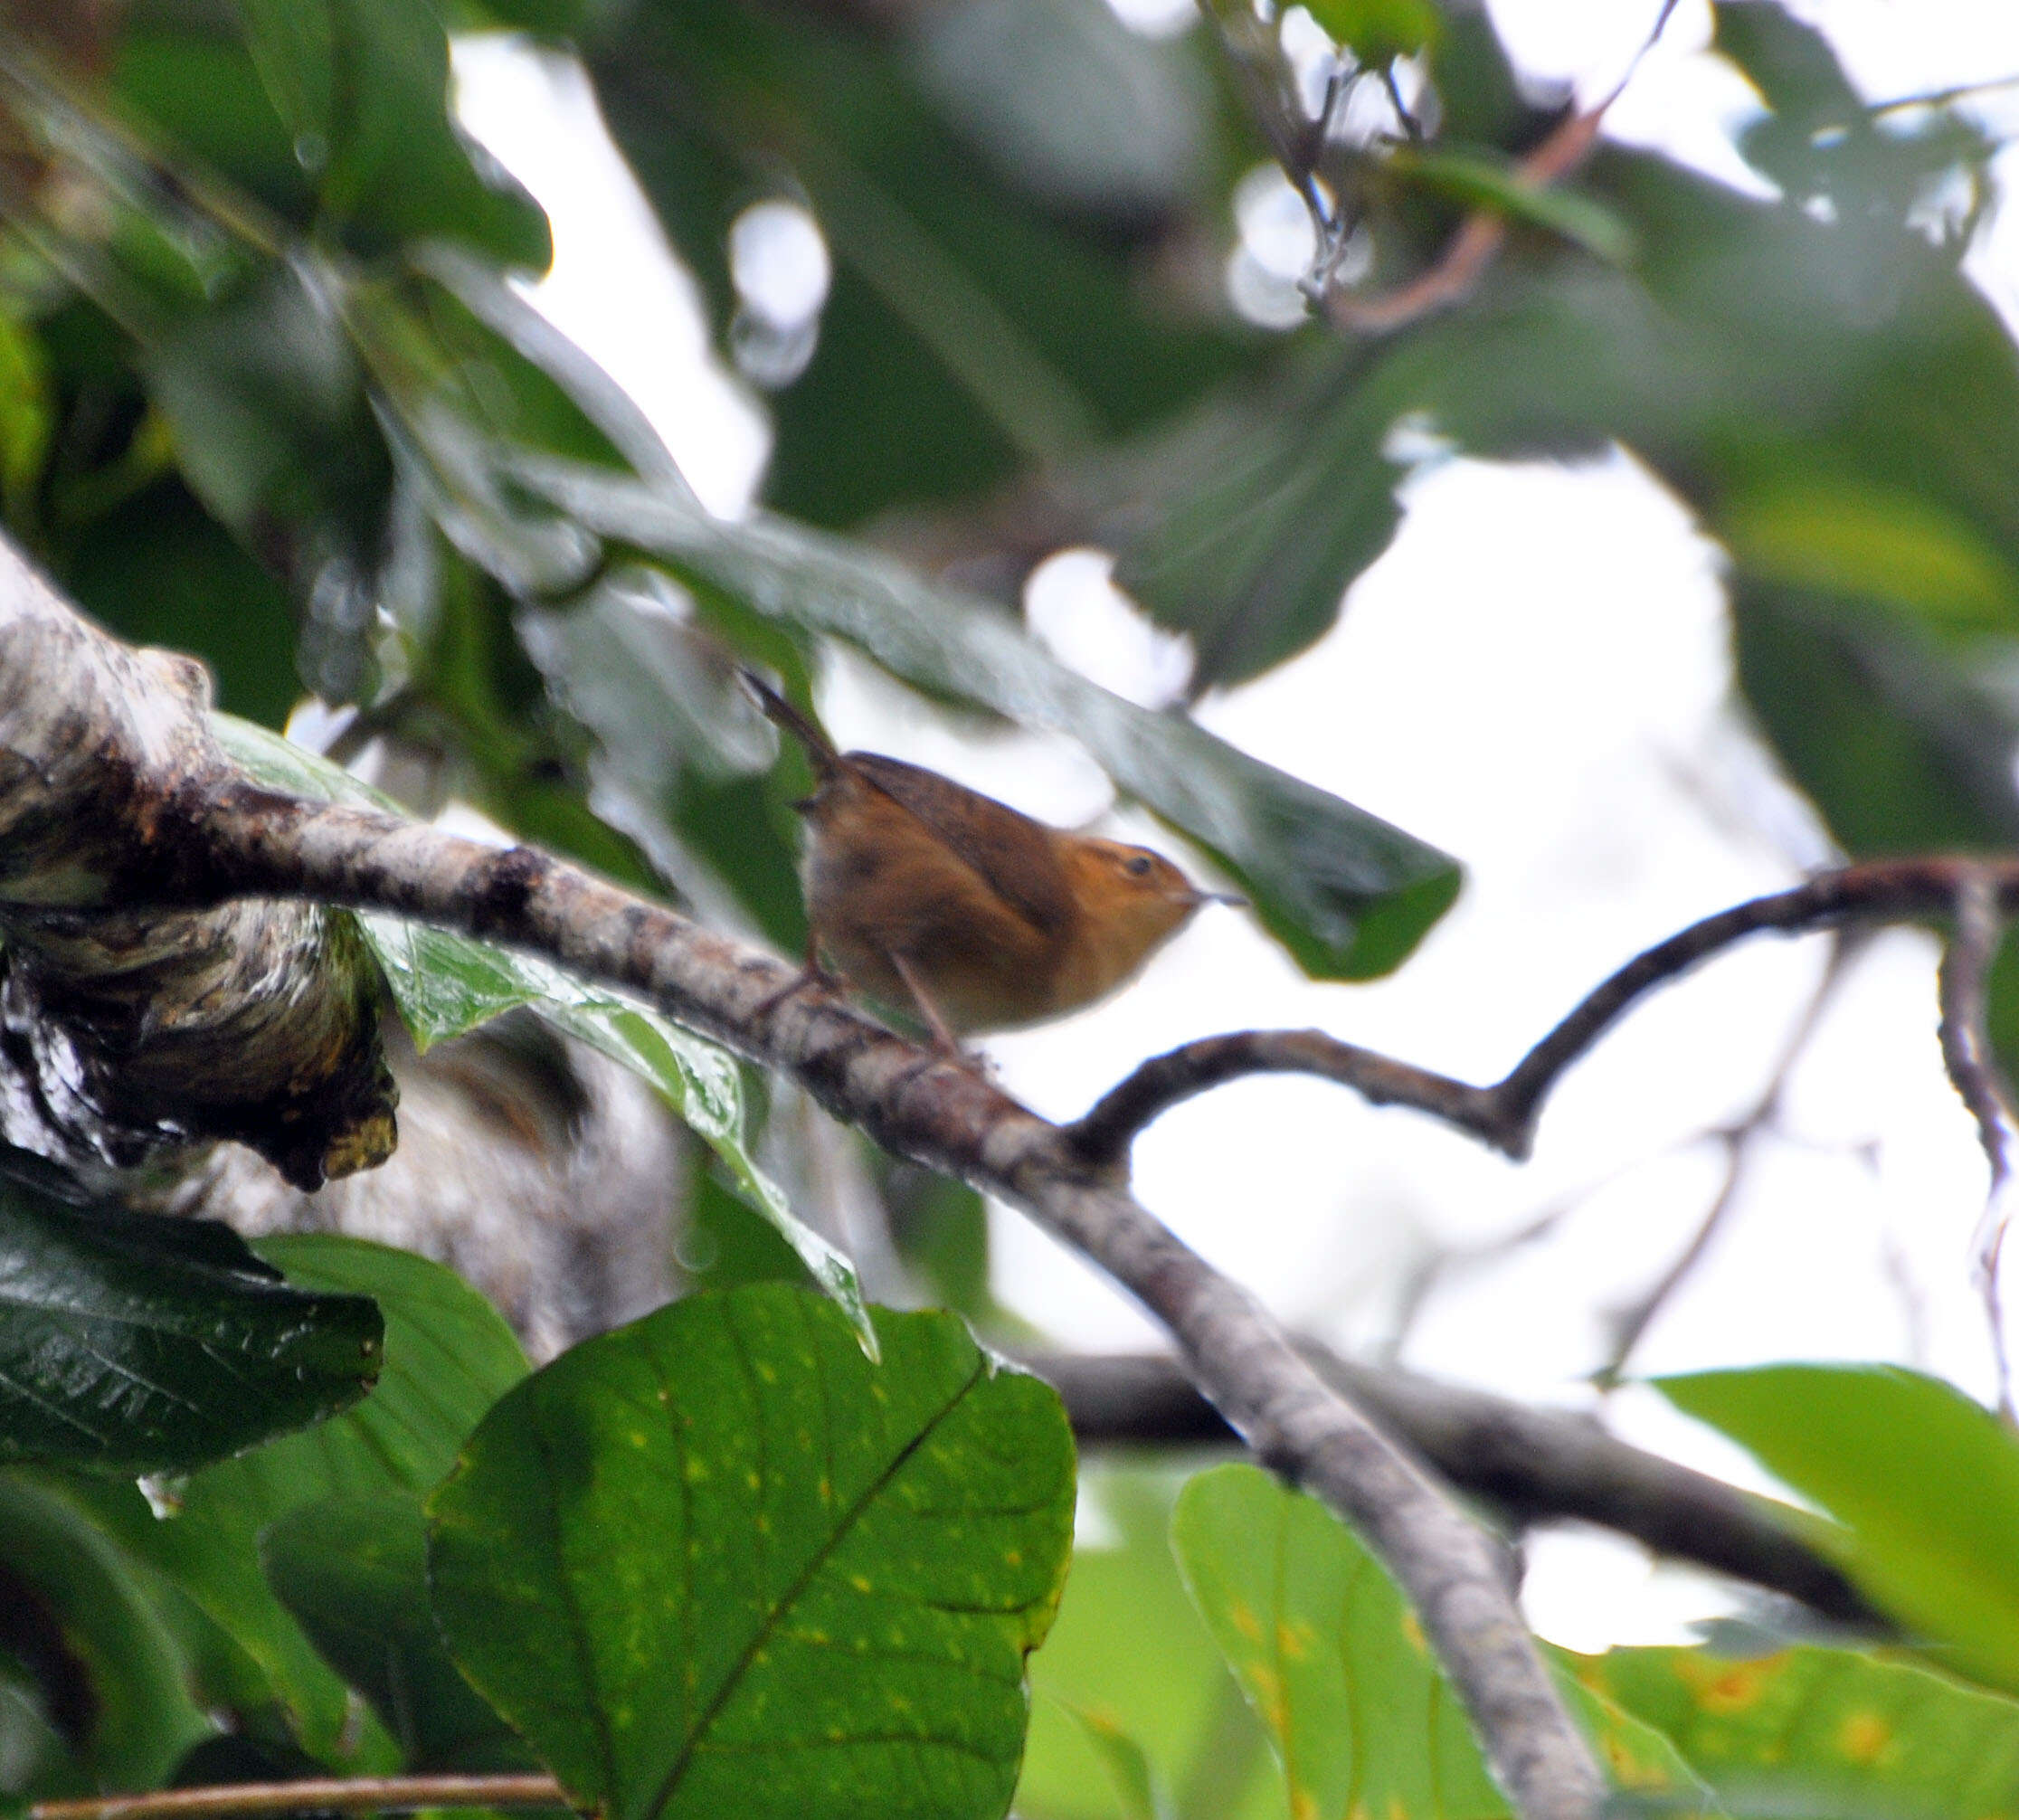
829 1621
1838 1732
1333 1662
1924 1482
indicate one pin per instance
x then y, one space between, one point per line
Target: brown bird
922 890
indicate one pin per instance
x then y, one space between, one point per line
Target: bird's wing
1012 853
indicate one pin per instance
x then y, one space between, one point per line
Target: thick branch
1504 1114
1535 1463
122 1032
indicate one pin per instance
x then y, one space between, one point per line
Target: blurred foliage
269 392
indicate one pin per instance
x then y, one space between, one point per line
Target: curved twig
1505 1115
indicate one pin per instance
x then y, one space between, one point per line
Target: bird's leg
813 971
943 1039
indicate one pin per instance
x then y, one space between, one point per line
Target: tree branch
1536 1464
120 1033
199 835
1503 1115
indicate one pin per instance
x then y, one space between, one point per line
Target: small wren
922 890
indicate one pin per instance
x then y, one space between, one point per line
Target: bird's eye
1138 865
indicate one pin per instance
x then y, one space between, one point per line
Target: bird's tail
820 749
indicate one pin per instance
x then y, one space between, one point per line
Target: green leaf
987 303
1885 1451
1347 893
352 1571
1379 31
446 983
1480 182
293 43
448 1356
1362 1717
132 1344
1127 1764
717 1562
111 1679
1835 1733
1131 1649
27 417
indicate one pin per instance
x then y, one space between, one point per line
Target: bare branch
1538 1464
1505 1115
313 1795
1973 1066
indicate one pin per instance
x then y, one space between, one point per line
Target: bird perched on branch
924 891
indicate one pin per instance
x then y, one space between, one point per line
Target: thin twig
319 1794
1505 1115
1981 1083
1484 231
1741 1141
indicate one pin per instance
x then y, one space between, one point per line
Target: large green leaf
445 984
448 1356
1130 1653
985 306
108 1681
717 1562
1837 1734
1925 1482
352 1571
131 1343
1347 893
1362 1715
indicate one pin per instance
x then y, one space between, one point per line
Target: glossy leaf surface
132 1344
448 1356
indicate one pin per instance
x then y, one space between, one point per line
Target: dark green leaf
352 1571
1885 1451
108 1677
718 1562
1363 1716
448 1356
131 1343
1347 893
967 327
158 570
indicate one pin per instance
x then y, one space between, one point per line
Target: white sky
1536 678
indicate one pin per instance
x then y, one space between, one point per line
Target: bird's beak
1227 898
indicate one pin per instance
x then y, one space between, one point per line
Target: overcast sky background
1535 677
